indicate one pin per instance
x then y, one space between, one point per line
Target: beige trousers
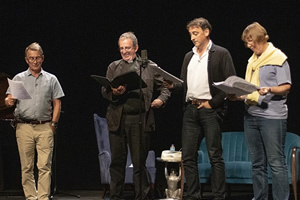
31 137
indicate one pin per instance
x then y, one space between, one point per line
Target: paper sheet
18 90
167 76
236 85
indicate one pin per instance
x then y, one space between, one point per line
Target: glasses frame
33 59
125 48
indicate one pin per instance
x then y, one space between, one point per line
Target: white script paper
18 90
236 85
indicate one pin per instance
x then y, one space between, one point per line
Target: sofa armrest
150 162
294 162
294 169
104 161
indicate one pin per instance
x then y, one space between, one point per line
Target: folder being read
167 76
129 79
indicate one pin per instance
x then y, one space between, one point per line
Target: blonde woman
265 121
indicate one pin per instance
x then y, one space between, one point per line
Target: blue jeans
266 141
197 124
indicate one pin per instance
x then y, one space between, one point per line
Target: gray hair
34 47
129 35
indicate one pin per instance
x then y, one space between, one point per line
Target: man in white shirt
204 107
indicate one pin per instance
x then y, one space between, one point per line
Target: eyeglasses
249 42
125 48
37 59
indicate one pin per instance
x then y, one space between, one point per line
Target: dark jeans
129 136
197 124
266 142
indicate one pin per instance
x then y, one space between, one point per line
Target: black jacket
220 66
151 78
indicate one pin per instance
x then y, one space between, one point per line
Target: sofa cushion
238 169
235 171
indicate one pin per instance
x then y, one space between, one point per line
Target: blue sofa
237 160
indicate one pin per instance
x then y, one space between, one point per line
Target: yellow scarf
271 56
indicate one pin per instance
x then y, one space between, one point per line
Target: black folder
129 79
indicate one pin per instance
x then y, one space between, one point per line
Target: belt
33 121
196 101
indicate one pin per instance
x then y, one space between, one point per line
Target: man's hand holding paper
18 90
10 101
119 90
168 84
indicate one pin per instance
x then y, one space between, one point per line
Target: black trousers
128 137
198 124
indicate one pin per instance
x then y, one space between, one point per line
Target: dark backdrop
79 38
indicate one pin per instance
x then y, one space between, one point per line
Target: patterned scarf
271 56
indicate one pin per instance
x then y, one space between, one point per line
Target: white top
197 76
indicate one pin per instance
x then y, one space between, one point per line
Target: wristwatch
55 124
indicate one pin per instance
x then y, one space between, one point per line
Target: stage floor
97 195
240 194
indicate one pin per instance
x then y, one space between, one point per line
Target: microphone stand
143 64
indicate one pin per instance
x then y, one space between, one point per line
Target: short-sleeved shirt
272 106
42 89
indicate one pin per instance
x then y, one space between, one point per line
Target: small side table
182 172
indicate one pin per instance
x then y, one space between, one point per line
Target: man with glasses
37 120
123 117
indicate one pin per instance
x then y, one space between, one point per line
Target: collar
208 47
131 61
28 73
